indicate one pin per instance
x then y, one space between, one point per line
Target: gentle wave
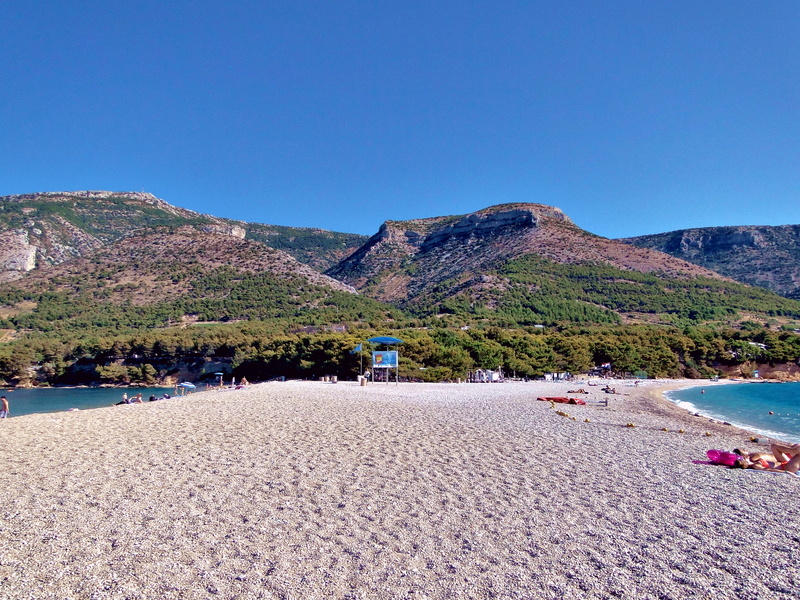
769 410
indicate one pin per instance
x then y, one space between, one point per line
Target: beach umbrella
187 386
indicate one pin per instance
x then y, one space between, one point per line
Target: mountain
530 264
127 260
40 230
124 288
767 256
405 257
172 276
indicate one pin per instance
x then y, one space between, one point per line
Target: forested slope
184 296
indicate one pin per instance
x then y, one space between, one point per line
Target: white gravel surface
304 490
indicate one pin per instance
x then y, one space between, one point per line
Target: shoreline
315 490
763 434
657 393
27 401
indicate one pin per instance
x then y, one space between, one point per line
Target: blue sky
633 117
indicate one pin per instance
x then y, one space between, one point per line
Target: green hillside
59 226
133 290
532 290
108 217
221 295
317 248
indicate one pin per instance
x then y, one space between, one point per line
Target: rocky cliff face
757 255
46 229
406 257
17 254
41 230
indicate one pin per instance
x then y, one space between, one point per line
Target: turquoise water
26 402
748 405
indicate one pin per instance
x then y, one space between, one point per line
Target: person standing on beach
4 410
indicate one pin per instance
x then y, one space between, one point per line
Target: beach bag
720 457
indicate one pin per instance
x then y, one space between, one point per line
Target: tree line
264 350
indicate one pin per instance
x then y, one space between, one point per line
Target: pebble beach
312 490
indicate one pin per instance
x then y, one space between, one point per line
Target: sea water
46 400
769 409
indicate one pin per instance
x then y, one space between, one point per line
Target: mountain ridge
445 247
45 229
143 293
763 255
523 259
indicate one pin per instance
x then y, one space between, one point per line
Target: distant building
557 376
485 376
340 328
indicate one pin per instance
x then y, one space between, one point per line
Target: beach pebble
302 490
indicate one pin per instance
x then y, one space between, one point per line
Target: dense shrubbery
220 295
679 301
262 350
321 249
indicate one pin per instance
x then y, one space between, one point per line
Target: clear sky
634 117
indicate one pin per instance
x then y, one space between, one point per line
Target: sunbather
785 452
763 461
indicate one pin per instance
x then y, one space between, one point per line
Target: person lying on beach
781 451
754 457
763 461
785 452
